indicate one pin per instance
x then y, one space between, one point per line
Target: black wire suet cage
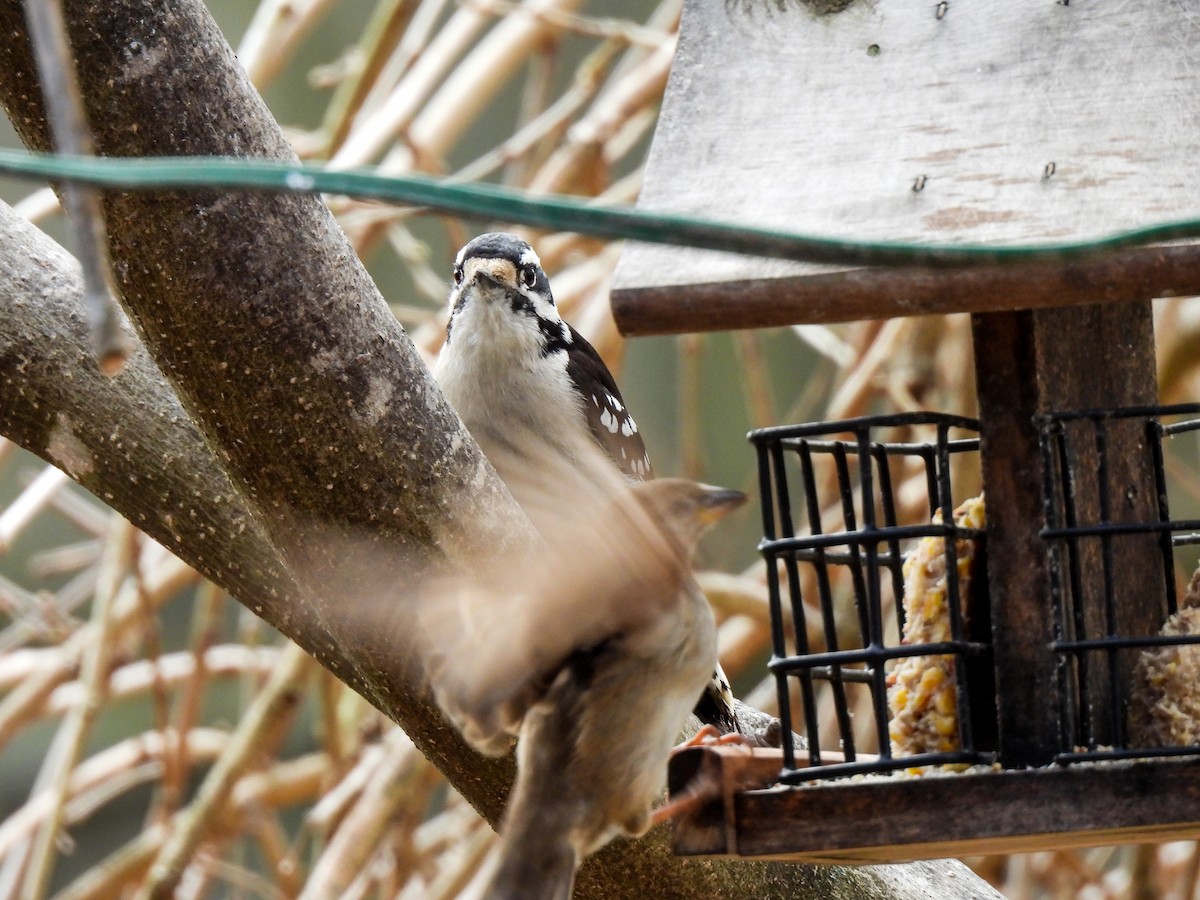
1122 681
834 547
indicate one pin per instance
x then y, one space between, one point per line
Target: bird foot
710 736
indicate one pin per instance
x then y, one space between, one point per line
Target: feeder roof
1023 122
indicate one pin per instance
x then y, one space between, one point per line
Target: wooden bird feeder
1026 122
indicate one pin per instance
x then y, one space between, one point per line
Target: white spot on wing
627 426
608 421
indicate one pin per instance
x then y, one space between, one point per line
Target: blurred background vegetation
562 100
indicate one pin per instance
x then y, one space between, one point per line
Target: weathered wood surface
1033 362
1020 122
904 818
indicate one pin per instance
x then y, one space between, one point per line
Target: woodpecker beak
483 275
715 503
496 273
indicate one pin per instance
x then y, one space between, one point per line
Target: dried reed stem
28 504
383 33
368 139
68 126
394 781
68 743
189 826
275 32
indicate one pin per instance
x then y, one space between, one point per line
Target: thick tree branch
129 441
275 340
313 408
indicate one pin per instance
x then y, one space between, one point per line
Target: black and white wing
610 422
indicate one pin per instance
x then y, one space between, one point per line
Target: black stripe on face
552 330
458 305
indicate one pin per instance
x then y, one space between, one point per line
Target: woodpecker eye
458 274
529 276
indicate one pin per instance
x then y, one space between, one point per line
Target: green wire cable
558 213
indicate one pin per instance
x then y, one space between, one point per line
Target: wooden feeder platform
888 819
1021 123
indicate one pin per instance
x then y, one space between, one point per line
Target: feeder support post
1030 362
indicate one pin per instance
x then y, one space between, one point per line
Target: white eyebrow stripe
529 258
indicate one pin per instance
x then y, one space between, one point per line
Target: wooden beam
1018 573
851 295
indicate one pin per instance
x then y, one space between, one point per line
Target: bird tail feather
541 870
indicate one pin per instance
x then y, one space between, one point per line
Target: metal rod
1116 699
778 645
879 655
825 593
799 622
1154 435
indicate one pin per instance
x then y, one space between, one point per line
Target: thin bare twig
38 205
209 602
404 102
641 87
691 349
70 134
92 777
168 670
24 703
121 868
485 70
64 558
756 380
284 784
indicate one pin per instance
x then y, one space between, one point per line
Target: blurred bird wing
495 641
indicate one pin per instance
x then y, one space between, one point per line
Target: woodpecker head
501 295
515 370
